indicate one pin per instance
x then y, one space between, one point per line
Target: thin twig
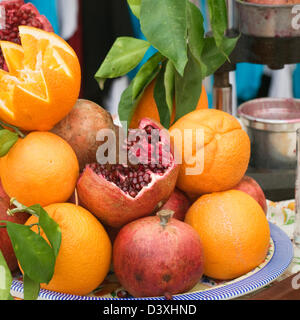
76 197
17 130
19 208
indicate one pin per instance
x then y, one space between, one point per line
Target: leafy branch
185 55
36 255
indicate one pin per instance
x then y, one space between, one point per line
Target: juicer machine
269 35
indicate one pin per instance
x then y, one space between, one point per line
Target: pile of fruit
157 226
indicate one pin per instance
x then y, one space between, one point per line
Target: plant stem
165 216
76 197
19 208
30 226
17 130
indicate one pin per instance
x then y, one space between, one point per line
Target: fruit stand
169 199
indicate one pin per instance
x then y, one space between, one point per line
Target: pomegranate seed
140 179
132 194
146 177
148 129
132 178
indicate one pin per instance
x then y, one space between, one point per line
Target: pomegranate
18 13
112 232
250 186
118 194
80 127
5 243
192 197
158 256
179 203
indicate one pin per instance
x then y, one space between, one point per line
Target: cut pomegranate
17 13
118 194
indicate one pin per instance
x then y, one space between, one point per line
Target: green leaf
169 82
5 279
160 99
188 88
31 288
218 19
49 226
195 30
125 54
163 23
127 104
7 140
135 6
145 73
35 255
212 58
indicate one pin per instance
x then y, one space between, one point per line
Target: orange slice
43 81
13 55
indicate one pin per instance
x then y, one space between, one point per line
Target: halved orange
43 81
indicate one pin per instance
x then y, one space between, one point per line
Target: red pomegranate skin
151 260
107 202
112 206
5 243
112 232
179 203
250 186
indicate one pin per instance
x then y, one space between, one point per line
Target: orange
225 149
234 231
147 107
41 168
43 81
84 257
